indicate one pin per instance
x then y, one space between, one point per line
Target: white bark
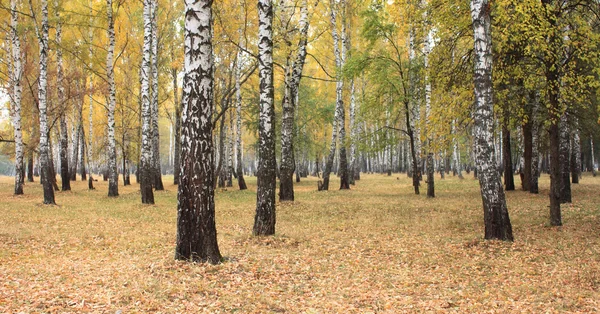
456 152
154 98
16 92
196 230
497 222
113 174
146 175
44 154
264 222
90 144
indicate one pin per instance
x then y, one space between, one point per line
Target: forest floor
375 248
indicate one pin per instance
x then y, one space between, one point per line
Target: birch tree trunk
292 84
456 152
230 135
16 92
44 155
196 229
177 154
238 126
90 144
575 152
75 146
146 171
158 184
264 221
82 164
343 165
64 138
113 180
497 221
354 170
414 108
430 165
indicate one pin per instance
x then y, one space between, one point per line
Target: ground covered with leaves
375 248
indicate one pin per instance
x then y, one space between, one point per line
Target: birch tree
293 74
16 93
90 144
146 171
238 113
575 152
113 174
158 184
44 154
64 138
196 230
496 218
264 220
339 115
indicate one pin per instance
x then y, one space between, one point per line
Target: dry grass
376 248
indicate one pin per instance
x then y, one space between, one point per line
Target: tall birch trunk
196 228
264 221
430 164
293 75
90 144
353 168
113 180
146 169
16 92
44 154
414 106
158 184
238 125
575 152
64 138
496 218
177 148
230 151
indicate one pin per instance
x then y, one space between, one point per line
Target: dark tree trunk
575 152
82 170
509 181
430 176
415 167
64 155
527 153
535 135
565 161
30 167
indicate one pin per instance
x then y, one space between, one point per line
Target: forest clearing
349 156
374 248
